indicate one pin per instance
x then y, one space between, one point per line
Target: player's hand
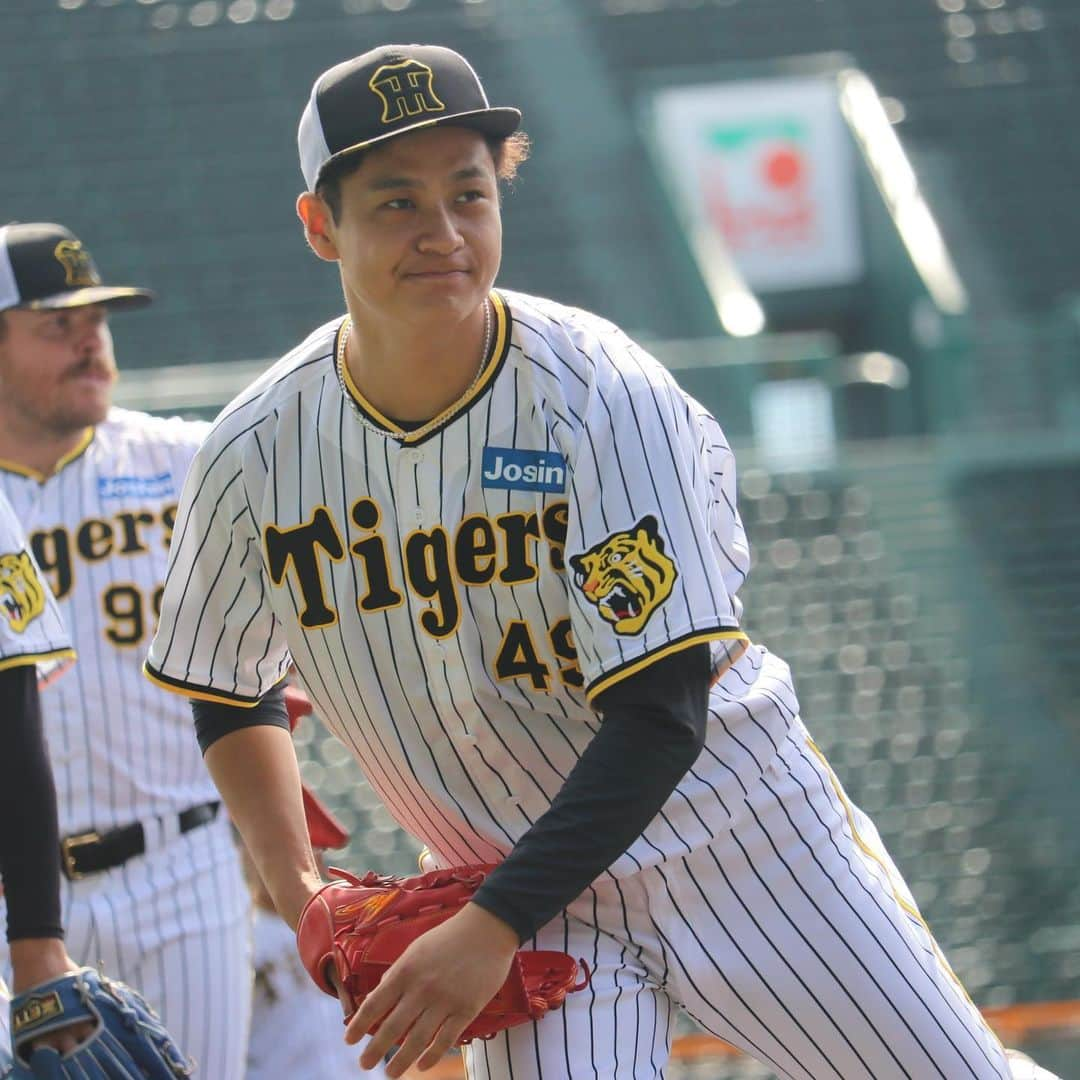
348 1005
434 990
40 960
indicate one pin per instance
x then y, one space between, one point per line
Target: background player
502 548
33 648
97 1037
153 887
295 1028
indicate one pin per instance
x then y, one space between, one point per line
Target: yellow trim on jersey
875 856
500 337
27 659
605 682
79 449
201 693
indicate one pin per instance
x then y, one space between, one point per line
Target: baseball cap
389 91
45 266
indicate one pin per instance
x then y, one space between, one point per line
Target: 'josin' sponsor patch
523 470
147 487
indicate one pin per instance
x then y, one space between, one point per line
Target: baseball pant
174 923
791 936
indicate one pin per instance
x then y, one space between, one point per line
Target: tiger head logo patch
627 576
22 595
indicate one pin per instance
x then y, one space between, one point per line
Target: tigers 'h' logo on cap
406 90
75 259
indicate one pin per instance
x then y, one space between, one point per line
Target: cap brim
498 123
117 297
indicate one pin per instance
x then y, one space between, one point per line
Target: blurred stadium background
849 226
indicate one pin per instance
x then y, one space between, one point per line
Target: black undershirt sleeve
29 833
216 718
656 716
652 730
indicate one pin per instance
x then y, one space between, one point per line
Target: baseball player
69 1021
34 648
502 548
152 887
295 1028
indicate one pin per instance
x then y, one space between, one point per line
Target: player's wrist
37 960
290 900
490 927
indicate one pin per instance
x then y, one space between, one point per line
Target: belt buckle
67 849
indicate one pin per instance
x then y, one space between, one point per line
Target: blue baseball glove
128 1041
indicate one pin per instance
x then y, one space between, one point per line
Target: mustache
91 366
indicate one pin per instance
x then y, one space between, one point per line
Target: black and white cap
44 266
389 91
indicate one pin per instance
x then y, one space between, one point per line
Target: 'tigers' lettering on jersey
129 611
482 550
128 532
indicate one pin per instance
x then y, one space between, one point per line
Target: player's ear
318 225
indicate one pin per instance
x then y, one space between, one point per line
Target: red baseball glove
360 926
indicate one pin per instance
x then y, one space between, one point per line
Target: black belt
92 852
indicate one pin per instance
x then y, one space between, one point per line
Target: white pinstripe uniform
31 632
296 1029
453 599
174 921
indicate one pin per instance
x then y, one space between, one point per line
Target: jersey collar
499 346
78 450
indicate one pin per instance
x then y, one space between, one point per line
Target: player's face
420 235
57 368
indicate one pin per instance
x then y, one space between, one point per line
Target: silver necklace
415 433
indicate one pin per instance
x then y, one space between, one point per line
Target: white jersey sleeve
655 547
31 630
217 637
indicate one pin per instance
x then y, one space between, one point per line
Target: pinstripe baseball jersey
99 529
456 596
31 629
295 1028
